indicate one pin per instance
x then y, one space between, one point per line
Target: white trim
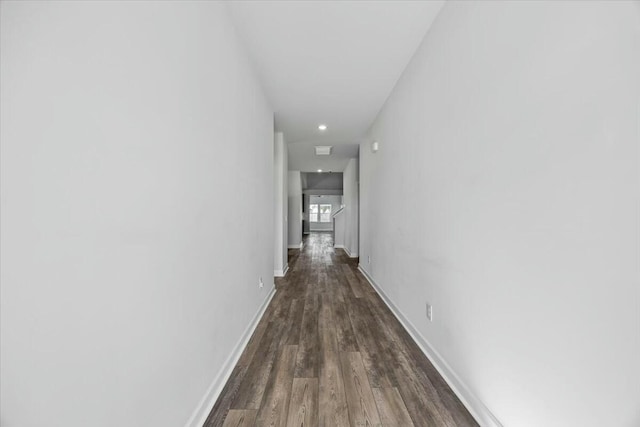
299 246
480 412
349 254
339 246
281 273
205 405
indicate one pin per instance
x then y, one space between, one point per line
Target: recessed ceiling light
319 170
322 127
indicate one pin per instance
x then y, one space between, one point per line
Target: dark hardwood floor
328 352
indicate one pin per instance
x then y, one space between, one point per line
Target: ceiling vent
323 150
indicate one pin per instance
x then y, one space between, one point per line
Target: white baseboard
478 410
205 406
339 247
281 273
349 254
299 246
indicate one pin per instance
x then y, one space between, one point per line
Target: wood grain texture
240 418
308 356
393 412
355 285
303 408
376 362
275 404
360 401
328 352
344 331
333 402
259 370
326 325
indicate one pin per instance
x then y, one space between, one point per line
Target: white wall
295 209
334 201
339 225
280 205
125 245
285 203
509 151
350 186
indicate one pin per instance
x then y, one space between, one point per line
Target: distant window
325 213
319 213
313 213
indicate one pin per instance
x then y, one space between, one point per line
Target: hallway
328 352
480 158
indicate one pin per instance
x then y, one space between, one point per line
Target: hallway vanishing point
328 352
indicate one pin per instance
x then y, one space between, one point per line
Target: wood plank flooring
328 352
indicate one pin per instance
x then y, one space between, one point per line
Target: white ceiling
332 62
302 157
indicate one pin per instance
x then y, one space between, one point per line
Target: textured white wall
339 225
350 187
280 201
285 203
295 208
135 145
506 193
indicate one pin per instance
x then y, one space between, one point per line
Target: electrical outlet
429 312
260 283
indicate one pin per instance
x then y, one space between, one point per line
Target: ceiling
322 181
302 157
331 62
